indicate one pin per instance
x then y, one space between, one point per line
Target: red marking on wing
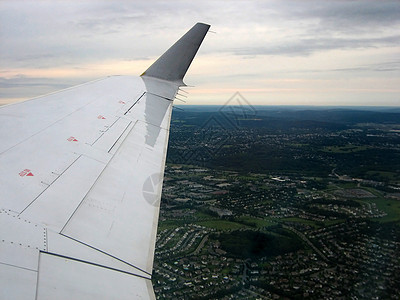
72 139
25 172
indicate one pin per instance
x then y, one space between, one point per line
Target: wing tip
174 63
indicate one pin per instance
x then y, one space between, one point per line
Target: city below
280 203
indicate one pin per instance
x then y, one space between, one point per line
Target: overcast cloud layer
273 52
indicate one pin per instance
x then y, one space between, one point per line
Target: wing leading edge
81 174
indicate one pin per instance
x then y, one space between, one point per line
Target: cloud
392 66
18 87
76 41
291 28
307 46
345 16
353 16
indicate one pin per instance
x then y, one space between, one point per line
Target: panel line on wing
59 174
134 103
87 193
49 185
19 267
123 135
101 251
37 277
112 124
103 132
80 203
94 264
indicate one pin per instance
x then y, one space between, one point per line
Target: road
304 238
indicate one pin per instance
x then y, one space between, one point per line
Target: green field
345 149
221 224
390 206
255 222
168 224
203 215
391 177
299 220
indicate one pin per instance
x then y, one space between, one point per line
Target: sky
274 52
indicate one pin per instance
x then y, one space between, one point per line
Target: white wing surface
81 174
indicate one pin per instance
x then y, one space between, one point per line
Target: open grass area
255 222
221 224
345 149
168 224
299 220
333 222
241 222
248 178
347 185
299 145
202 215
391 177
390 206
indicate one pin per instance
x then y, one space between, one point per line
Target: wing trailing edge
174 63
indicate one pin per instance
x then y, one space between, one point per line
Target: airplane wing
81 174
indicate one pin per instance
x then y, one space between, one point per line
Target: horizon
287 108
295 105
336 53
315 106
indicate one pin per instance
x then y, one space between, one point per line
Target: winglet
174 63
